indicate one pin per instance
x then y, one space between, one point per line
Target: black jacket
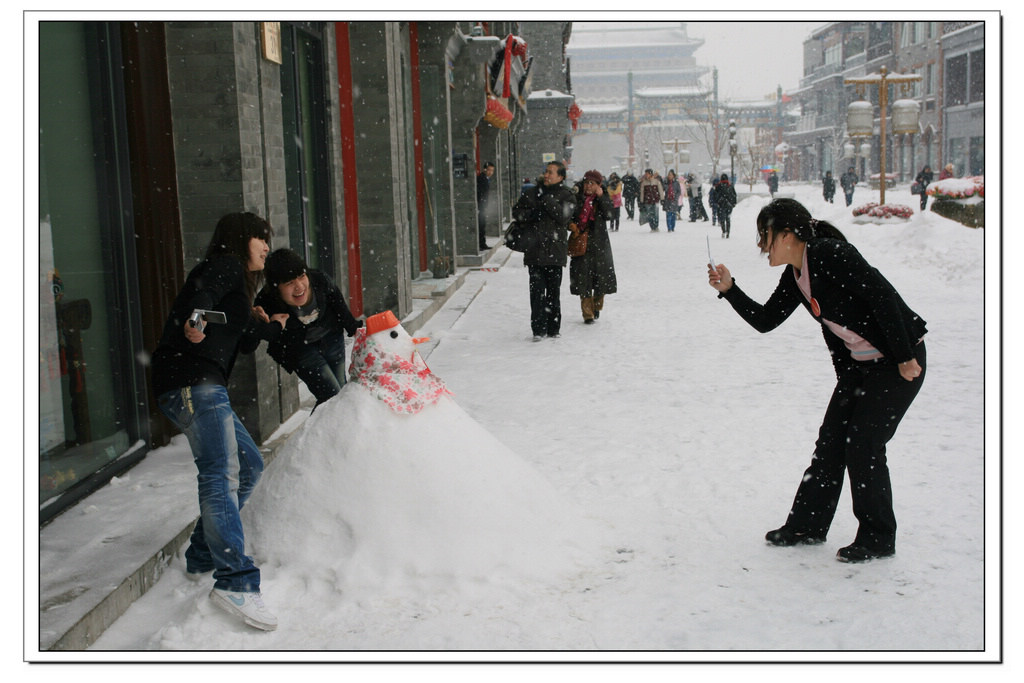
335 316
593 273
549 209
850 292
217 284
725 196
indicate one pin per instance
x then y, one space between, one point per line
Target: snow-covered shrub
958 188
873 212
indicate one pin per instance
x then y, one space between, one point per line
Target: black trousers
545 300
862 416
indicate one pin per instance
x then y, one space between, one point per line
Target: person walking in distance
848 181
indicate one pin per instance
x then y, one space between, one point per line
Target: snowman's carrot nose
420 340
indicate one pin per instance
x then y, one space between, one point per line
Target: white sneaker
248 606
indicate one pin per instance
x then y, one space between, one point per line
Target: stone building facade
360 143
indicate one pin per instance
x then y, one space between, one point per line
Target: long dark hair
231 238
788 215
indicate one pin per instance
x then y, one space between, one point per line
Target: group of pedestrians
849 181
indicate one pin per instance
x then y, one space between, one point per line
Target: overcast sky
753 58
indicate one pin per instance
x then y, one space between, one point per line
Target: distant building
638 85
949 58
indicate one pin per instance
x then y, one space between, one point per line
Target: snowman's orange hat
380 322
385 321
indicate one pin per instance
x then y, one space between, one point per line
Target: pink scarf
406 386
587 212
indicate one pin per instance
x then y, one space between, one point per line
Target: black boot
786 536
858 553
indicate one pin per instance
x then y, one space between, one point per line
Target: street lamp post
881 81
676 153
732 150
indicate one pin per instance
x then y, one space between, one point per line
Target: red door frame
417 132
348 167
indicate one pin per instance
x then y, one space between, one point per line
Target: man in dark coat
483 191
828 186
548 208
725 197
630 191
849 181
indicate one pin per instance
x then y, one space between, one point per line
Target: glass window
956 80
306 161
88 416
976 159
976 87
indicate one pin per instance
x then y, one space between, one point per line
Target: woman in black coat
592 274
191 367
878 352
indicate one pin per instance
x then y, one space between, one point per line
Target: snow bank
386 496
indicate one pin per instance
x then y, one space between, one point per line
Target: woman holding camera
191 367
878 352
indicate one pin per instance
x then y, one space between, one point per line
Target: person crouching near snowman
312 344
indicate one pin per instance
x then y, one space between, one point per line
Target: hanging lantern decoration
684 156
849 150
497 114
865 149
906 116
860 118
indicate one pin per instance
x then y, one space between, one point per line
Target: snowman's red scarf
407 386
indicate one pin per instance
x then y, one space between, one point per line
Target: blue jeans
322 366
670 220
229 465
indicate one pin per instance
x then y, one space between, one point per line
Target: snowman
391 481
385 361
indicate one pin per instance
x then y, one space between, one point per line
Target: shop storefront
92 405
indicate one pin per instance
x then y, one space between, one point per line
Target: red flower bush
874 210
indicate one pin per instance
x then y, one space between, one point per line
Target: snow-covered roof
546 93
683 91
602 107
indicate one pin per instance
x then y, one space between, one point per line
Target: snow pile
364 495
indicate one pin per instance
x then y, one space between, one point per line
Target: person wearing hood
592 272
725 198
312 344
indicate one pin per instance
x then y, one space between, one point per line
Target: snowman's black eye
394 334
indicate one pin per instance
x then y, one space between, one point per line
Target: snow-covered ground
645 456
